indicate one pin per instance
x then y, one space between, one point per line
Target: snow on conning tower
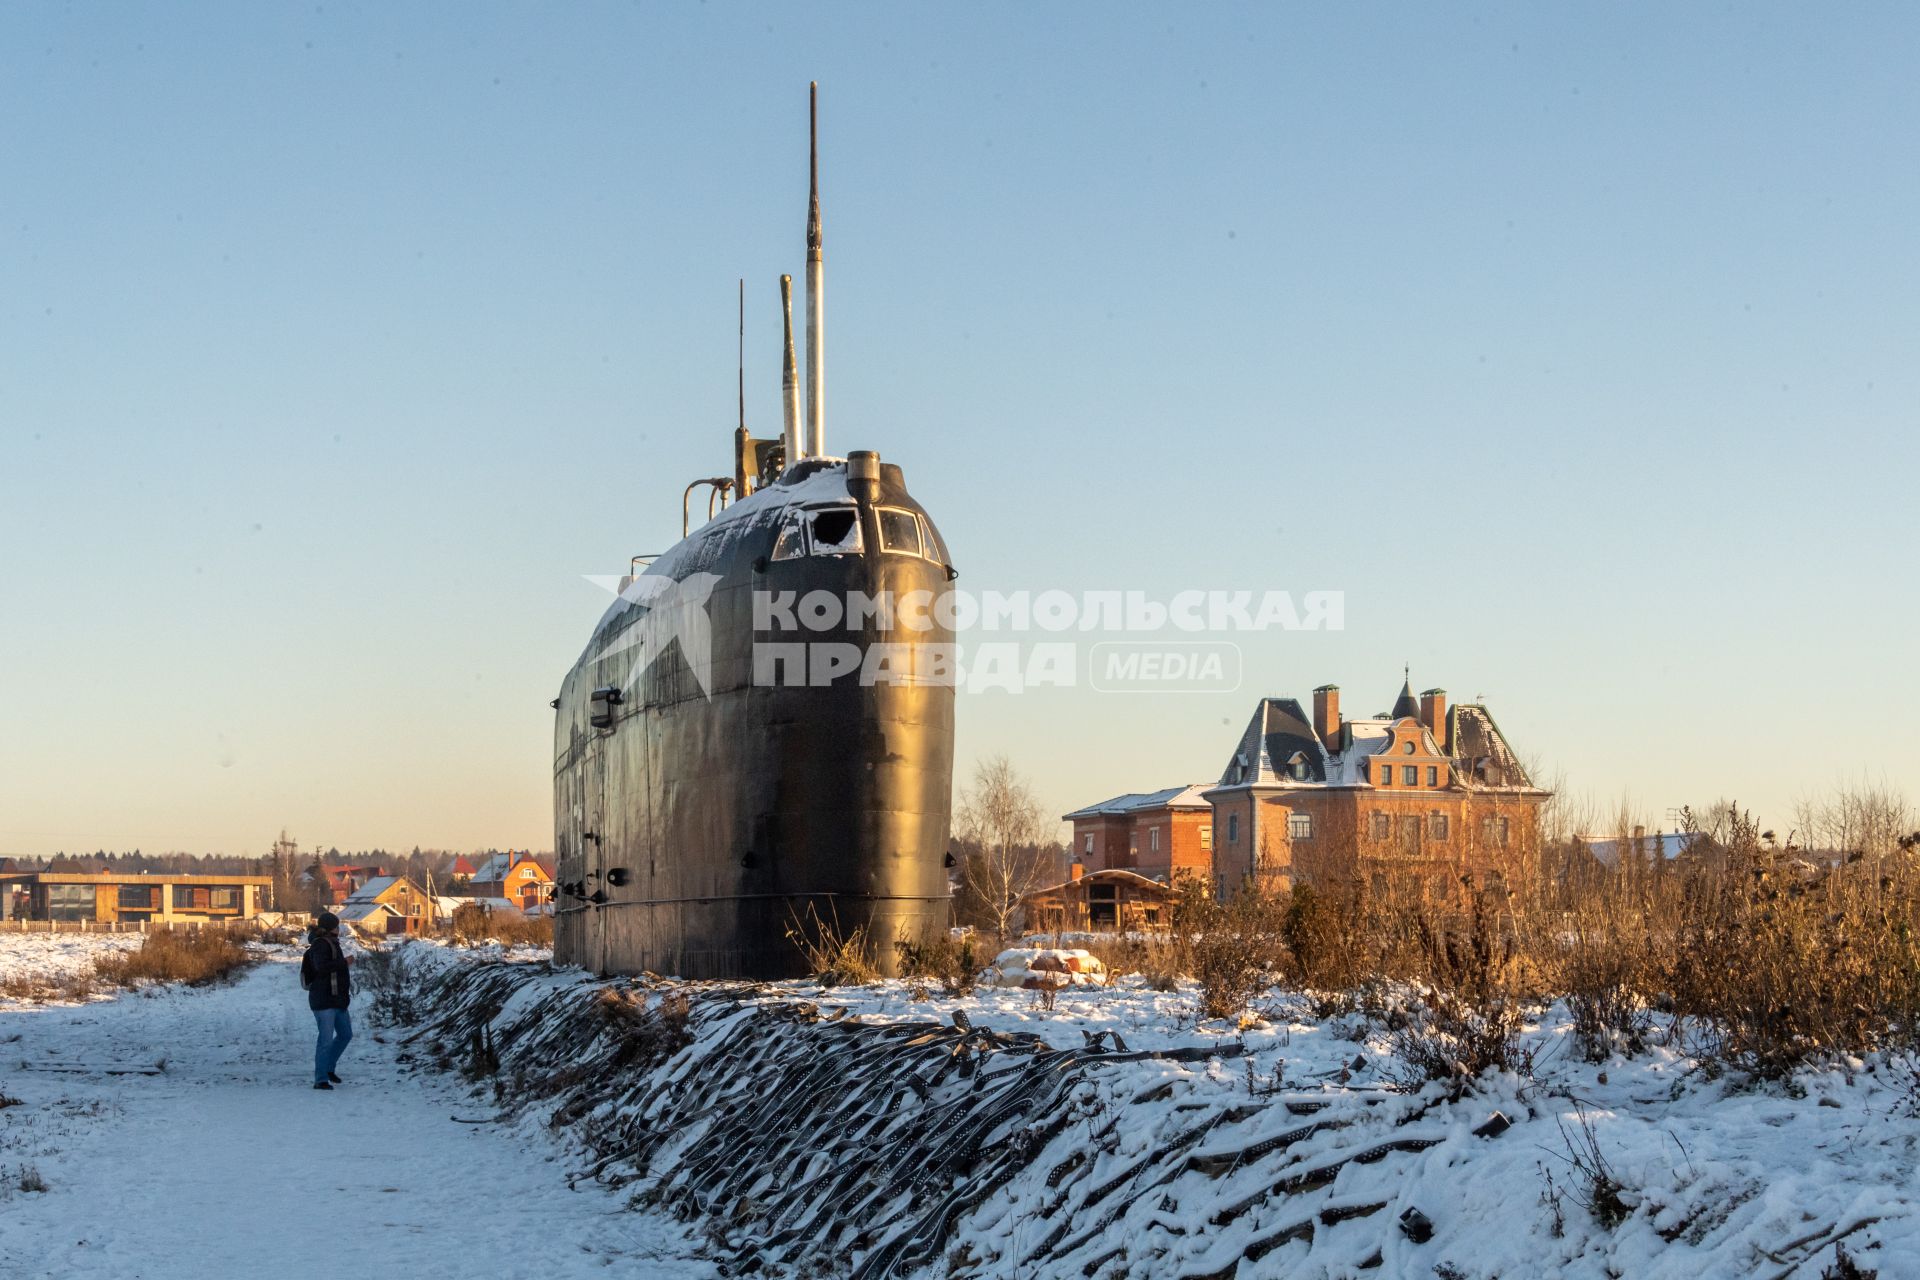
816 288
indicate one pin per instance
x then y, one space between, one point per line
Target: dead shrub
648 1036
939 958
1457 1039
1776 962
1236 948
1327 934
28 1179
26 986
1602 976
196 957
1470 1019
1602 1193
835 958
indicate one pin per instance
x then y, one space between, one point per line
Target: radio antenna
743 354
816 287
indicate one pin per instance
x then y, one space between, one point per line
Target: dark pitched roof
1406 704
1277 733
1481 750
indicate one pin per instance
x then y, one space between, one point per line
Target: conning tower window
836 531
899 532
792 542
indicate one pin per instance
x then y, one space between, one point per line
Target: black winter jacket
324 971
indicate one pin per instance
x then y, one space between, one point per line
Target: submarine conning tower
756 746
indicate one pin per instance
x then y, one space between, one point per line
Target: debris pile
811 1143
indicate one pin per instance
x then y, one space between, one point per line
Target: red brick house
1420 795
338 883
1156 834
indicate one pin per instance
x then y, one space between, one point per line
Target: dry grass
1747 952
835 957
474 924
195 958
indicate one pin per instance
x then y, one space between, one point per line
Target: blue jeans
336 1028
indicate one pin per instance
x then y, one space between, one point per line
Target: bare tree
1000 817
1858 817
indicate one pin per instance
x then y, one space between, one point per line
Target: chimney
1326 715
1433 714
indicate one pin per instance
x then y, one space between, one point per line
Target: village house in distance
1416 798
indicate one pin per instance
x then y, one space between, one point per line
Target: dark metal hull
746 812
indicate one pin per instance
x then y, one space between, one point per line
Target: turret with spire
1406 704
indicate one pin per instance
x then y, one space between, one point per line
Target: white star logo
673 611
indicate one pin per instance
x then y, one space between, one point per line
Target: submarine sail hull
757 744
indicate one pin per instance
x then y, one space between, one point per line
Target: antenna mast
816 287
790 378
743 354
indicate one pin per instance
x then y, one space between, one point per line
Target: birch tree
999 815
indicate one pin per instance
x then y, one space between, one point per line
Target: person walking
324 973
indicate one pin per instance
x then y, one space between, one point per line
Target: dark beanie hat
329 921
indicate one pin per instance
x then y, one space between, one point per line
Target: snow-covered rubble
1181 1148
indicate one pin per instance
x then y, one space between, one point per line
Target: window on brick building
1153 840
1386 775
1206 836
1437 826
1500 832
1089 842
1299 826
1381 825
1410 775
1433 775
1233 827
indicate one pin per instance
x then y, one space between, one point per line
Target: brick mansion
1419 796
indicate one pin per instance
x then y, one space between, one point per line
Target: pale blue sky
338 341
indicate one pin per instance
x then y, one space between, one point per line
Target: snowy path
230 1164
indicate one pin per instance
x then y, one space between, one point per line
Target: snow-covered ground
1315 1143
1719 1177
228 1163
52 956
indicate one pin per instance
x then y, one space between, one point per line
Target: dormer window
1297 767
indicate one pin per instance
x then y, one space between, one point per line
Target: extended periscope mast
725 784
